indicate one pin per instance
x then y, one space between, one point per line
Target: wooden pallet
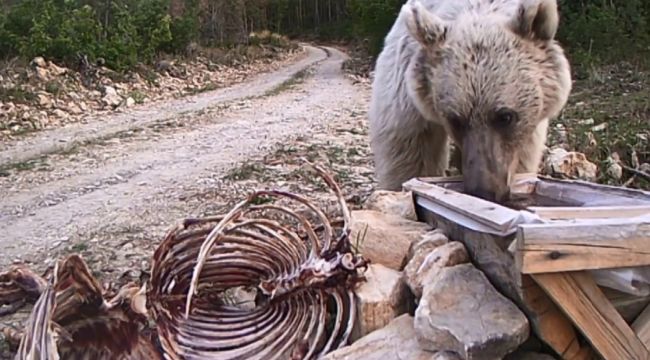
540 256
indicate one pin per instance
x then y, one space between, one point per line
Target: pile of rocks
423 298
45 95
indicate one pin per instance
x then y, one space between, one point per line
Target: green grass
296 79
609 112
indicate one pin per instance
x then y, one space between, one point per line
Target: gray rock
39 62
396 341
461 312
427 263
381 298
571 164
392 202
383 238
110 97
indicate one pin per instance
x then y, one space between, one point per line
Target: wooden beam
550 324
641 327
482 211
617 243
595 212
580 298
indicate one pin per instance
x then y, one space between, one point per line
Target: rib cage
303 277
297 261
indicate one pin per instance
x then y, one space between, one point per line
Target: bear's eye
505 117
456 122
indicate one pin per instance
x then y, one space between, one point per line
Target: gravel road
135 174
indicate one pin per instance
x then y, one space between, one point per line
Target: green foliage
597 32
373 19
122 32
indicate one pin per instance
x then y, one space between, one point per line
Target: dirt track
114 185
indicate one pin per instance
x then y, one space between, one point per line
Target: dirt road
110 188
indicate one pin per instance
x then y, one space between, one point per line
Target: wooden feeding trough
547 253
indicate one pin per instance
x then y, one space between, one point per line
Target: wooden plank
594 212
558 247
590 194
641 327
487 213
580 298
550 324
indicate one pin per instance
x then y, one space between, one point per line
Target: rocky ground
43 95
111 181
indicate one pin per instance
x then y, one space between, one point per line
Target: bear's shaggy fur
486 74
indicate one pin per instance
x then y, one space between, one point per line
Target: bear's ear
428 29
536 19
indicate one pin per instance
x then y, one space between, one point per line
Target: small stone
73 108
380 299
110 97
39 62
461 312
44 100
396 341
60 113
129 102
392 202
57 70
570 164
424 268
42 74
383 238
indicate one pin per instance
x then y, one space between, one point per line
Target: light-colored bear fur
449 70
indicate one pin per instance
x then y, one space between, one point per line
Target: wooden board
558 247
594 212
485 212
550 324
641 327
580 298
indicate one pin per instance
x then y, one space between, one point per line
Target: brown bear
487 74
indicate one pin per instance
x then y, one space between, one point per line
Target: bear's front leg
402 155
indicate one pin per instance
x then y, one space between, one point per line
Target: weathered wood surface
590 194
581 299
544 248
485 212
595 212
550 323
641 327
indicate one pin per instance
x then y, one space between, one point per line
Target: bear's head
494 77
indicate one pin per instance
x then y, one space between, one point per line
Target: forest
125 32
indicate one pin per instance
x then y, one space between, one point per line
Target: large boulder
396 341
460 311
383 238
398 203
380 299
